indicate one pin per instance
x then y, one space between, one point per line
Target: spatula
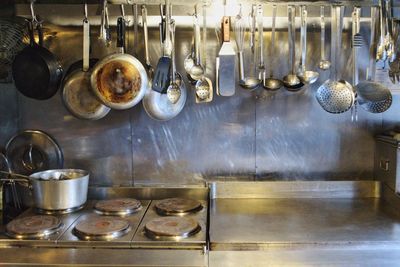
227 57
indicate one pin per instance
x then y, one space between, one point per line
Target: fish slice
227 57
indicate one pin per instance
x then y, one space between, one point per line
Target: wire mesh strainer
13 38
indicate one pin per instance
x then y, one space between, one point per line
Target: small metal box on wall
387 160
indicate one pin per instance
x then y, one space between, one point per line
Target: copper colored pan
119 80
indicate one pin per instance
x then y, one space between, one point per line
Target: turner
227 57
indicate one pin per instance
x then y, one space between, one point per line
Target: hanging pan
119 80
77 92
36 71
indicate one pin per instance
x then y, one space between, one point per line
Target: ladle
324 64
291 81
272 83
306 76
248 83
197 71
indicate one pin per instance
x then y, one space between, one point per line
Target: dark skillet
36 71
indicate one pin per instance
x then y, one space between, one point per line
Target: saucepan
62 189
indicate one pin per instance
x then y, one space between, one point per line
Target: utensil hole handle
226 27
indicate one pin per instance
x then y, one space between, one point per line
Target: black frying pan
36 71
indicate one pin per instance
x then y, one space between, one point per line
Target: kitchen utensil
197 71
336 96
162 73
389 41
12 40
5 167
324 64
260 31
119 80
77 93
357 43
135 28
381 53
291 81
149 67
32 151
226 55
188 63
60 189
204 86
394 66
174 90
105 34
372 96
306 76
36 71
160 108
272 83
248 83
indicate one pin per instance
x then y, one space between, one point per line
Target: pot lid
33 151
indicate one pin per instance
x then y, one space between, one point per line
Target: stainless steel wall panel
8 112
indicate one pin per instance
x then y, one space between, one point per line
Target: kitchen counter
304 223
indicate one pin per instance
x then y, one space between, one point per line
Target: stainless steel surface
295 189
197 241
249 136
381 256
69 239
259 224
103 257
49 193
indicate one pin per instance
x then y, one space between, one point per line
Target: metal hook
33 11
85 11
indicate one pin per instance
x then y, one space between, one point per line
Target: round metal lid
171 227
79 98
33 151
120 206
33 227
177 206
101 228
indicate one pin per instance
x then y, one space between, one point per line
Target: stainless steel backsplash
250 136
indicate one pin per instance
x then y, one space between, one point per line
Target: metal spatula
227 57
162 73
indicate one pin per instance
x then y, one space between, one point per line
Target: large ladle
372 96
272 83
248 83
291 81
306 76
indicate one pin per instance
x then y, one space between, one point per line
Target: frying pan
77 93
119 80
36 71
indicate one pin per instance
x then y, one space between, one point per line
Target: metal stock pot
62 189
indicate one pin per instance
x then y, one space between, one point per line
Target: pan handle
39 29
29 25
121 34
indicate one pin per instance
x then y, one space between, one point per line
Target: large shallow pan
77 93
36 71
119 80
63 189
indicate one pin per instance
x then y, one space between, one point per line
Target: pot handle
12 177
121 34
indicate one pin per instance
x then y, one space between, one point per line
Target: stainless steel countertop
334 221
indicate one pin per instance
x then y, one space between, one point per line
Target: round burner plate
58 212
171 228
120 207
34 227
101 228
177 206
